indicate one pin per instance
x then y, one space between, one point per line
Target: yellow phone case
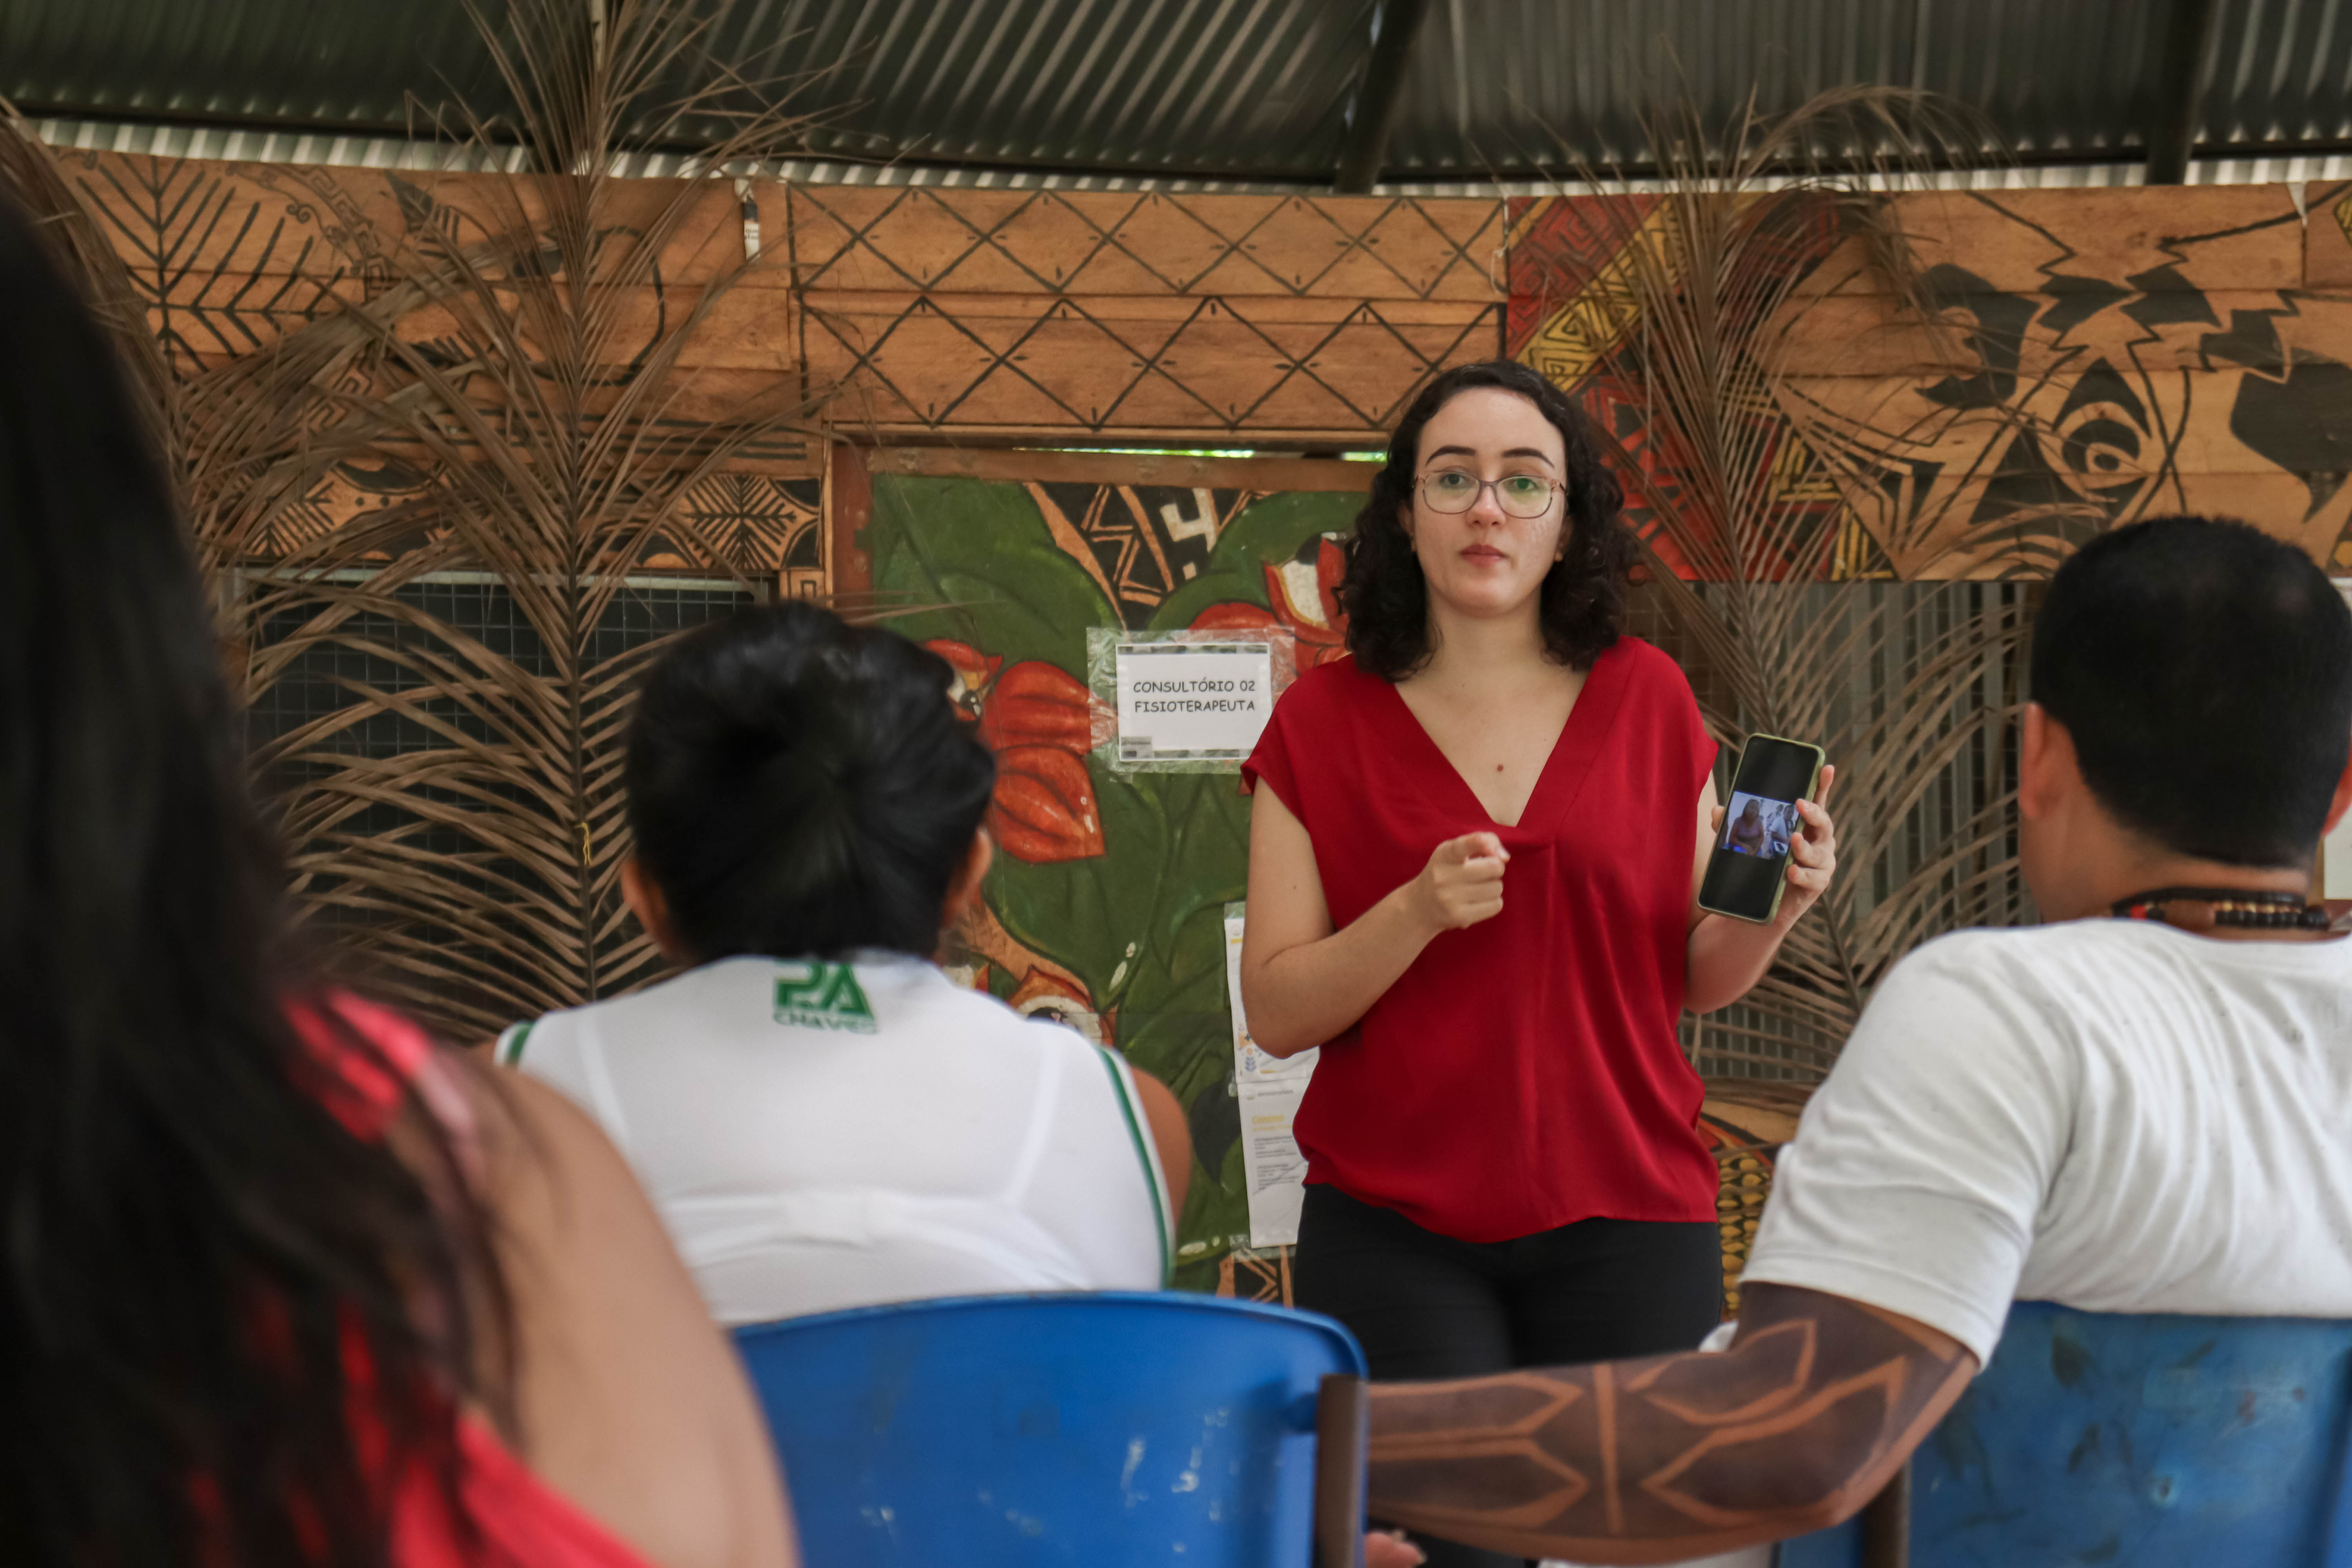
1780 885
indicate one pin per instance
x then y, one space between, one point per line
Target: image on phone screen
1759 825
1750 858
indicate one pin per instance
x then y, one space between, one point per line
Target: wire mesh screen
1931 846
384 686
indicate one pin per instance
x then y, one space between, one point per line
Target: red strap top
1523 1074
519 1518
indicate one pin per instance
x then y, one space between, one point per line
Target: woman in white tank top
824 1118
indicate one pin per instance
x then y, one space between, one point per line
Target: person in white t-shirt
822 1118
2143 1106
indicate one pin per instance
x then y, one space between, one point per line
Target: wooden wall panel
1261 319
1075 242
1241 370
2122 350
2120 353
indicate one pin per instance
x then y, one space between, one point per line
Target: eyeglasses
1519 495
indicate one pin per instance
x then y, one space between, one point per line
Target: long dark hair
802 787
199 1256
1582 602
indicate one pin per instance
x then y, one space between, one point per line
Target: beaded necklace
2211 906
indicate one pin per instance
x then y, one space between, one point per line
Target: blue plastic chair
2144 1441
994 1431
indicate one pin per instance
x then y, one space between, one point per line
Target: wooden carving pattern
760 524
2156 349
230 259
1260 316
1068 242
1211 368
230 256
2116 352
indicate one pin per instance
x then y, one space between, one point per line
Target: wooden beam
2177 91
848 508
1383 91
1184 472
1343 1441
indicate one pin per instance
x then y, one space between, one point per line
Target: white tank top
820 1135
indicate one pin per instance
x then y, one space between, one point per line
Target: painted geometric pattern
1068 242
1573 310
228 259
230 256
1137 312
1252 1275
1139 542
756 523
1571 290
1223 366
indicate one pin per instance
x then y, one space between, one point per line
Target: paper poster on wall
1269 1089
1192 701
1186 701
2336 849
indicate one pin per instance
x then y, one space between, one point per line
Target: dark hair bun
801 786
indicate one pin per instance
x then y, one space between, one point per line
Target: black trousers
1425 1305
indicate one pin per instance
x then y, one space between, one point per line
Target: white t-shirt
2114 1115
827 1135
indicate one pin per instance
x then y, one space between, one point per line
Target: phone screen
1745 873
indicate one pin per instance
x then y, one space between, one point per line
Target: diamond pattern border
1071 242
1255 371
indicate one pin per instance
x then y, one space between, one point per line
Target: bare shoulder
547 1162
628 1400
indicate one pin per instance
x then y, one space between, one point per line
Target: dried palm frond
233 434
532 368
1795 618
523 356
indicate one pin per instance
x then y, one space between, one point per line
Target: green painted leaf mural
1119 878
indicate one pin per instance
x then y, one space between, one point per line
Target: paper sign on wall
1269 1089
2336 849
1192 701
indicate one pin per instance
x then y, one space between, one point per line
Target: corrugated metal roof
347 63
1230 92
1226 87
1508 82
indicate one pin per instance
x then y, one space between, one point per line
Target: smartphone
1749 864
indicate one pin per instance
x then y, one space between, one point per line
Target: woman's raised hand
1462 883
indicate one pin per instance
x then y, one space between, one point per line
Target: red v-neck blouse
1523 1074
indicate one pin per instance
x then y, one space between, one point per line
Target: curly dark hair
1584 596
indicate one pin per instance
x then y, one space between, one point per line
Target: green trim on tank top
507 1052
1143 1157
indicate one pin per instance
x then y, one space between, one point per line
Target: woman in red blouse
1474 874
